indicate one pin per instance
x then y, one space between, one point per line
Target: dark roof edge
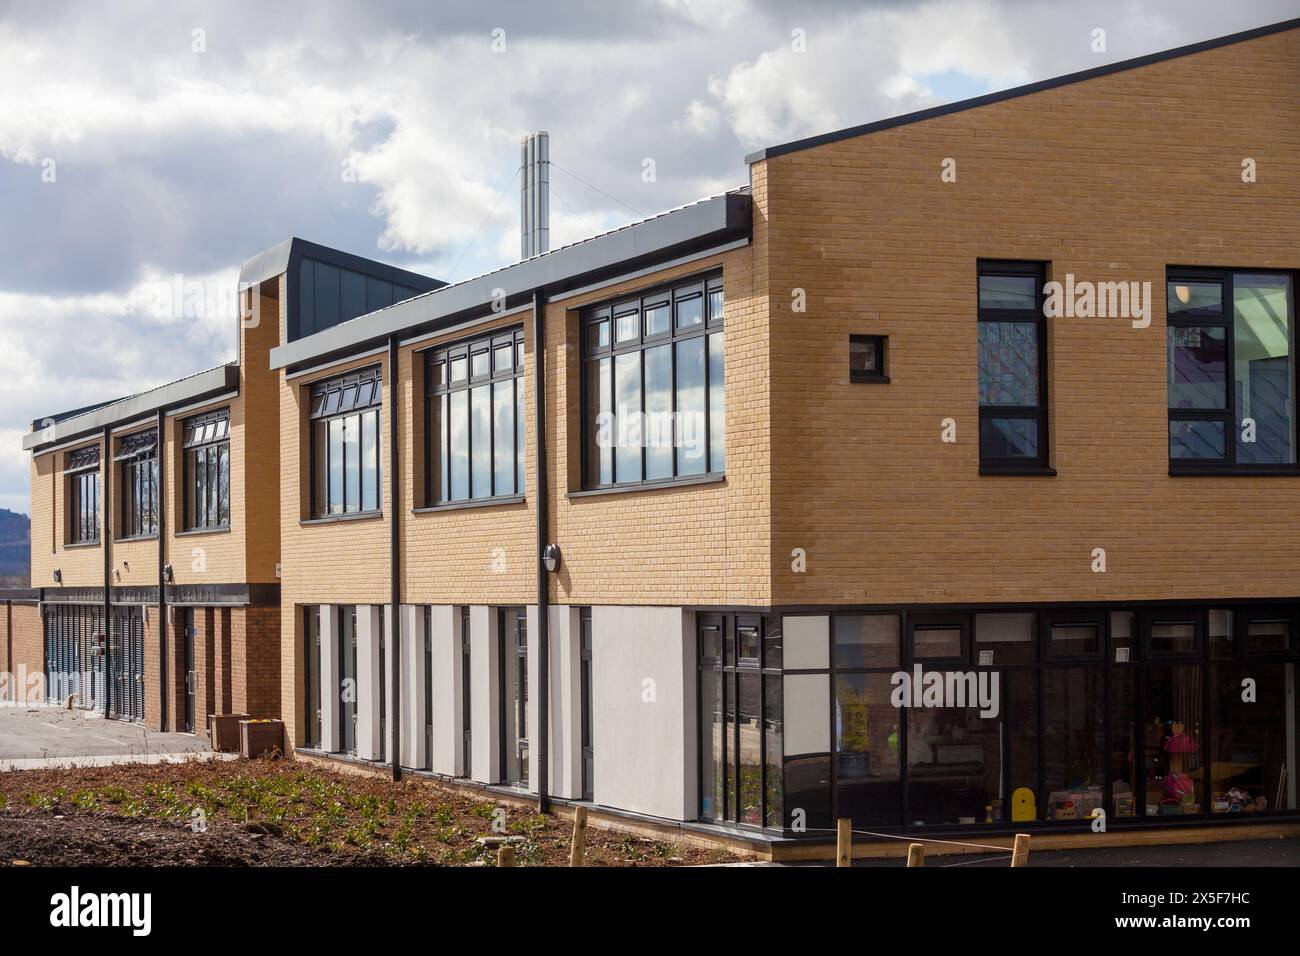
768 152
281 257
659 238
186 391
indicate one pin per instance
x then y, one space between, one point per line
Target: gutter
106 536
395 569
543 576
162 563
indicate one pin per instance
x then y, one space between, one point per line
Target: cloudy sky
141 142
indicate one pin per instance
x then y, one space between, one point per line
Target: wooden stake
916 854
844 842
578 850
1020 851
505 855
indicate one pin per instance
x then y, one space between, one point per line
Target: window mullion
1230 374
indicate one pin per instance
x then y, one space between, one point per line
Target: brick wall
81 565
22 643
1110 179
255 661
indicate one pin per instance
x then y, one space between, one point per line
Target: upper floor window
138 455
1012 368
1231 366
206 447
82 470
345 444
475 423
653 406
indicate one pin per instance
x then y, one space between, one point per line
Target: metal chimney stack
535 194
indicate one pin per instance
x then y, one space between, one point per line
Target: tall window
1012 368
513 649
741 708
82 470
654 389
1231 361
475 420
138 455
345 444
207 470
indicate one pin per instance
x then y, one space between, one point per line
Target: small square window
867 358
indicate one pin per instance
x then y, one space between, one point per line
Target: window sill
858 379
334 519
1032 471
223 529
471 503
136 537
81 544
713 479
1221 471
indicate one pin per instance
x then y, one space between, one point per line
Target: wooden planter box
257 738
223 731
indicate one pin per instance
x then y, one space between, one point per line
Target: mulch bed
284 813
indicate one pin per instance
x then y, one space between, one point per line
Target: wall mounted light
58 575
551 557
167 574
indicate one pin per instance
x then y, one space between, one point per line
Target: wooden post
505 855
844 842
578 850
1020 851
916 854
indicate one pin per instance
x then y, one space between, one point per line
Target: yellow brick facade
1113 178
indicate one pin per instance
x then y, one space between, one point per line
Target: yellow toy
1022 805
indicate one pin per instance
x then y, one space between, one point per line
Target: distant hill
15 549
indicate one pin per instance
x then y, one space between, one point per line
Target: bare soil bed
283 813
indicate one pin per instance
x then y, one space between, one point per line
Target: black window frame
342 397
706 286
1049 620
206 437
881 374
937 621
1224 318
729 668
438 391
81 470
1040 413
137 458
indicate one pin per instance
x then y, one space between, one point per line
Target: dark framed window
345 444
588 759
1231 370
741 720
206 447
474 426
138 458
654 390
312 674
867 358
1170 634
938 638
1074 635
1012 368
512 637
82 471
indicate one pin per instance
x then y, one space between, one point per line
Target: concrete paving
36 737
